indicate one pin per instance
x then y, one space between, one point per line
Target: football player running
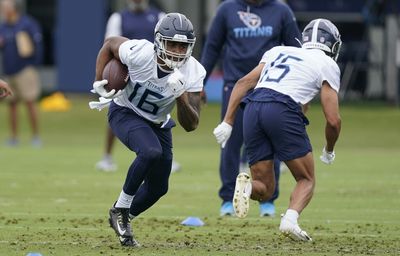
162 75
286 79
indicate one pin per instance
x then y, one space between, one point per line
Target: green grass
53 201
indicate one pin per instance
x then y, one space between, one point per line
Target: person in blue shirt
22 47
241 31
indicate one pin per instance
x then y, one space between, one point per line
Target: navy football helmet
322 34
173 27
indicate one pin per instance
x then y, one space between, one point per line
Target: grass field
53 201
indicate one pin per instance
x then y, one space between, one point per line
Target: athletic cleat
106 165
36 142
293 231
227 209
120 223
12 142
129 241
242 194
267 209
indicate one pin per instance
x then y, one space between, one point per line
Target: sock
124 200
292 215
107 157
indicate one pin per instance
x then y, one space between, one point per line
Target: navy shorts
273 123
135 132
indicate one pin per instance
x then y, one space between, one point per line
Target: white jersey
298 73
146 94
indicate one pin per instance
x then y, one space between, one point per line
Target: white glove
99 105
176 83
327 157
222 133
98 87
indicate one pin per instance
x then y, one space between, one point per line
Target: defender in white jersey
284 82
162 75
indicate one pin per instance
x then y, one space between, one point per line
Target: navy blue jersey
242 32
12 61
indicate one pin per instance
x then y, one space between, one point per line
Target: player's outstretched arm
188 110
330 106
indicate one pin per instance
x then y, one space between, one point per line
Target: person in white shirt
162 75
284 82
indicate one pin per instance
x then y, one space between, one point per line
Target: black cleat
120 222
128 241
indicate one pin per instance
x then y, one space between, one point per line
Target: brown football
116 74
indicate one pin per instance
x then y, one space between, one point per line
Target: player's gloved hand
99 105
327 157
176 83
222 133
98 87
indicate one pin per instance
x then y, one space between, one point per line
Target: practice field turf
54 202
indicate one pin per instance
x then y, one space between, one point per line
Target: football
116 74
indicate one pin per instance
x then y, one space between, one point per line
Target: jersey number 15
278 63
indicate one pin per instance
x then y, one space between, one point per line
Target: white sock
124 200
292 215
107 157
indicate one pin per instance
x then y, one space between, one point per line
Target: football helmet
322 34
177 28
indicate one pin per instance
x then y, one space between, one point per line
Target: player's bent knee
157 194
150 154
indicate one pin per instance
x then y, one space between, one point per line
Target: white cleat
242 194
106 165
293 231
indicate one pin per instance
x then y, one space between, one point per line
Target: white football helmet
322 34
173 27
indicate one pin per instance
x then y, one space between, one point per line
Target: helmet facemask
173 59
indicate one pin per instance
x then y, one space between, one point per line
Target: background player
21 44
286 79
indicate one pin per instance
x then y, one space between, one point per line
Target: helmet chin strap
162 65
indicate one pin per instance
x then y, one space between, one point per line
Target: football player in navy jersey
162 75
286 79
241 31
